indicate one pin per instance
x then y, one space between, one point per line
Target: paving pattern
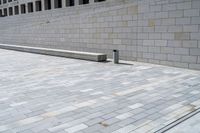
191 125
46 94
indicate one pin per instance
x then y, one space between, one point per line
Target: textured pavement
191 125
46 94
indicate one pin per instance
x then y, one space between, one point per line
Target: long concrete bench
99 57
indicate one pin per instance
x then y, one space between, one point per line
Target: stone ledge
99 57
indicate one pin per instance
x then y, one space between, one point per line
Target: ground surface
191 125
44 94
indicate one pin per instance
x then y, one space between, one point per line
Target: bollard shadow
128 64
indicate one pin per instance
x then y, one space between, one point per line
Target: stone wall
163 32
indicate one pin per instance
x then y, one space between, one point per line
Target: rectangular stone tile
76 128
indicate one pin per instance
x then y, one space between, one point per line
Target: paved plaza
46 94
191 125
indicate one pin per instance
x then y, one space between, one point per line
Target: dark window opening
47 4
30 7
81 2
69 2
99 0
4 1
38 6
58 3
10 9
23 9
16 8
5 12
1 13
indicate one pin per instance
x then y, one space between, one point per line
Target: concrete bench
99 57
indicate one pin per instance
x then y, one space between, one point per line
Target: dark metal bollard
116 56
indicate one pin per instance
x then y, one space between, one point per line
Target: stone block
172 57
175 28
167 36
181 65
148 55
191 12
194 66
195 51
195 20
167 50
57 52
154 49
190 28
133 10
195 36
151 23
183 21
181 51
169 21
184 5
174 44
161 43
160 56
169 7
189 59
168 63
156 8
196 4
156 36
162 15
198 61
190 44
161 29
175 14
148 42
142 49
181 36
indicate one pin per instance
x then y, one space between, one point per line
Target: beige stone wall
156 31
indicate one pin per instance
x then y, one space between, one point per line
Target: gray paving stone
51 94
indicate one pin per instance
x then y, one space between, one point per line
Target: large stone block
195 51
181 51
181 36
58 52
189 59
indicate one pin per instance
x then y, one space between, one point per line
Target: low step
99 57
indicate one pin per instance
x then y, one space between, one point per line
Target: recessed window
5 12
1 13
10 9
4 1
9 0
47 4
69 2
30 7
38 6
81 2
23 9
16 8
58 3
99 0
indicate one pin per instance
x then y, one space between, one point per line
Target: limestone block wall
163 32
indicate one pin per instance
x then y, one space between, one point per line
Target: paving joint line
178 121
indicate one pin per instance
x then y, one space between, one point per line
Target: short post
116 56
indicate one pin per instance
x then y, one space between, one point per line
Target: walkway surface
46 94
191 125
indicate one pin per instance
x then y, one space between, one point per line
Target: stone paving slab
191 125
45 94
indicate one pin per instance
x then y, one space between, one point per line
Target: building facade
163 32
